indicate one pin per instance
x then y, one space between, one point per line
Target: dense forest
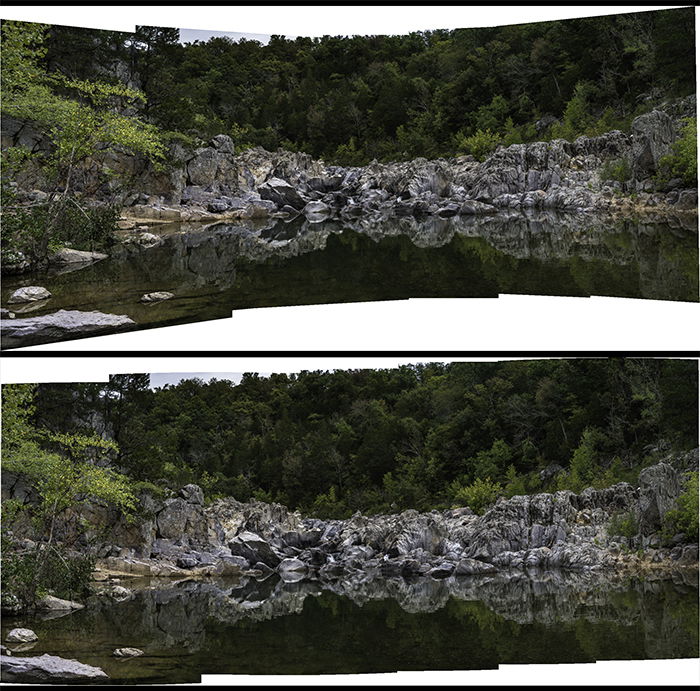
419 436
432 93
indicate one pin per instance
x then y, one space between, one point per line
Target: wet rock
157 296
29 294
127 652
292 569
47 668
442 570
21 636
469 567
316 212
59 326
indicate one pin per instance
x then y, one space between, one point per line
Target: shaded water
247 627
215 269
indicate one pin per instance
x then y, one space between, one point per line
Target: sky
190 35
159 379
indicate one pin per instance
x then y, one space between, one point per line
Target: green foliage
480 144
479 495
392 439
618 169
31 575
683 161
624 525
353 99
38 230
684 518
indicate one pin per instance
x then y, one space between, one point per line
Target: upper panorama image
169 176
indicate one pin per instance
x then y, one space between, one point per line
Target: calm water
271 627
215 269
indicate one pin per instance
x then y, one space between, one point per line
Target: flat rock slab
69 256
46 668
60 325
29 294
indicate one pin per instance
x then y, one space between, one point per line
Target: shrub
684 518
479 495
682 162
480 144
618 170
624 524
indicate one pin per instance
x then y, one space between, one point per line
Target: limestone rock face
652 136
659 487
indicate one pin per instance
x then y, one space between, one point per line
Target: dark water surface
215 269
246 627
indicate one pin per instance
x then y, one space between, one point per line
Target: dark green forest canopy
333 442
351 99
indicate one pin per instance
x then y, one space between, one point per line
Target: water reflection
215 269
369 624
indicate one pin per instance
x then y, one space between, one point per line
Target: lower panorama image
432 516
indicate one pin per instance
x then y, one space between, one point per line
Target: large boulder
652 136
253 548
21 636
659 487
59 326
29 294
202 169
47 668
66 255
181 519
281 193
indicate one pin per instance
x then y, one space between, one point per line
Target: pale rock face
47 668
157 296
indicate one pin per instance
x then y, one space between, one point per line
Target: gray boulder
202 169
659 487
47 668
192 494
60 325
253 548
70 256
652 136
21 636
281 193
51 603
29 294
127 652
222 143
157 296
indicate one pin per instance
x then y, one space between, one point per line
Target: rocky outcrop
47 669
60 325
547 531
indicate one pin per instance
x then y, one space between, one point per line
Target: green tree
65 478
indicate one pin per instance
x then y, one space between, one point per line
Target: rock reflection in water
215 269
368 624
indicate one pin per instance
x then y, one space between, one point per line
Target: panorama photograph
432 516
165 175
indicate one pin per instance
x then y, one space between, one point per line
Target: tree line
427 93
423 436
